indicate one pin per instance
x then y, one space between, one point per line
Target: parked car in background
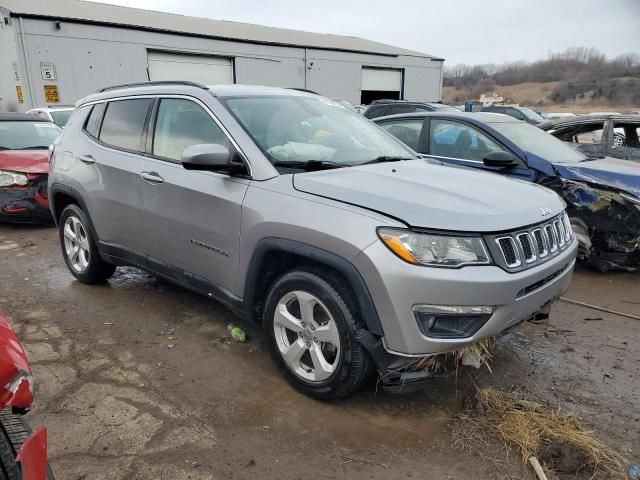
58 115
24 167
557 115
345 104
354 253
611 135
379 108
519 113
603 196
23 454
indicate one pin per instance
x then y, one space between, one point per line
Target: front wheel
79 248
310 322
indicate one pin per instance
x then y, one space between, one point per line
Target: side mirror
208 156
500 159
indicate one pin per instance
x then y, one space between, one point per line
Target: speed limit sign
48 71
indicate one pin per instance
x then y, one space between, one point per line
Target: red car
24 167
23 454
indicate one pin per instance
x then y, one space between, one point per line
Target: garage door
380 83
195 68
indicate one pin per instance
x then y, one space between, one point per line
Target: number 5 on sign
48 71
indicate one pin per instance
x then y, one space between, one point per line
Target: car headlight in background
435 250
9 179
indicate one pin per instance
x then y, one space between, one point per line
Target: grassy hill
559 96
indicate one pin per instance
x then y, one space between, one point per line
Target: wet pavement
120 404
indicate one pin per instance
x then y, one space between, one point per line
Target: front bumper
396 287
26 205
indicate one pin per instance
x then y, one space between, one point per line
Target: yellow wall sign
51 94
19 93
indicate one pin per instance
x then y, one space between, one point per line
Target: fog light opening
444 321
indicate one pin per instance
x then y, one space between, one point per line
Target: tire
87 266
14 430
335 320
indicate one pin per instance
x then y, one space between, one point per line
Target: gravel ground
120 404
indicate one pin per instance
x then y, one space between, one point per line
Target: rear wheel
79 248
310 322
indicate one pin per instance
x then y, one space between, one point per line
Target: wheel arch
274 256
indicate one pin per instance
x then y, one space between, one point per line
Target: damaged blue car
602 194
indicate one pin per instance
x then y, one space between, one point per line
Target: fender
345 267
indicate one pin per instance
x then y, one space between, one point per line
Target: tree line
580 69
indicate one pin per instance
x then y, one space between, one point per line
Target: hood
612 172
25 161
428 194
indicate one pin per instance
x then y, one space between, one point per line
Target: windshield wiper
309 165
35 147
385 158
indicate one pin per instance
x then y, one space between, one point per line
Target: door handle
151 177
87 159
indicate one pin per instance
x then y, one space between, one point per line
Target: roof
176 87
479 117
20 117
57 108
589 118
112 15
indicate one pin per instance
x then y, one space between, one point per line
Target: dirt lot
119 403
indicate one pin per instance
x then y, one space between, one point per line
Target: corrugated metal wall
89 57
8 62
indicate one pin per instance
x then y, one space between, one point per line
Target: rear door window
376 112
407 131
400 109
124 123
458 140
182 123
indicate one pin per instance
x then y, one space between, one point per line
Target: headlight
435 250
9 179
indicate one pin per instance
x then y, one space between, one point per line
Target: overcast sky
461 31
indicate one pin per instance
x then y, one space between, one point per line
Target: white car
57 115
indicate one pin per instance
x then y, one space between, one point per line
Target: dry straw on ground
531 427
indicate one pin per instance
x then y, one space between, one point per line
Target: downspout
26 63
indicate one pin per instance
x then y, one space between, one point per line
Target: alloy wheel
307 336
76 244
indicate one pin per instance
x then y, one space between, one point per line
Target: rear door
623 139
588 137
190 219
108 166
460 143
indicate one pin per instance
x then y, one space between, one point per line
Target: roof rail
148 84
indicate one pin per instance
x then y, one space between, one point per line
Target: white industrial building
57 51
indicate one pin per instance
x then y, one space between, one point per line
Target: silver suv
354 252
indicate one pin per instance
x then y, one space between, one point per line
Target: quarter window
458 140
95 117
182 123
124 123
407 131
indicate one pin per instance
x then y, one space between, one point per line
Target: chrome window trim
184 97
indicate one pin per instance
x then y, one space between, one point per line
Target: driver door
190 219
459 143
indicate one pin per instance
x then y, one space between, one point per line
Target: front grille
541 283
531 246
508 247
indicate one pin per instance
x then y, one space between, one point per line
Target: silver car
353 252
